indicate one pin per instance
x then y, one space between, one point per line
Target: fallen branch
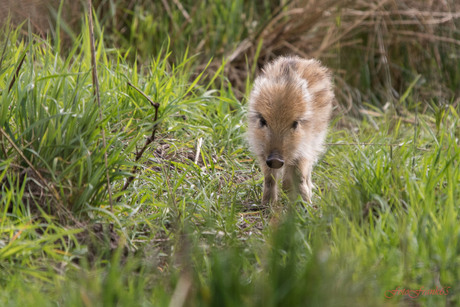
148 141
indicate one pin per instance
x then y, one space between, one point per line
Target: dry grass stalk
98 99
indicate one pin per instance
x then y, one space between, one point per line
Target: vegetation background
186 230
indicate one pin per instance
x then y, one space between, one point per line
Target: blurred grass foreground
176 221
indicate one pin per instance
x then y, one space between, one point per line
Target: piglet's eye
263 122
295 124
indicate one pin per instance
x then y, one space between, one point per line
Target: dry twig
148 141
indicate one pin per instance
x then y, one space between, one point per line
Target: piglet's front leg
303 179
270 194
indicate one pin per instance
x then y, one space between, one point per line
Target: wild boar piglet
289 110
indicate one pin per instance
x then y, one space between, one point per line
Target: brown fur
289 111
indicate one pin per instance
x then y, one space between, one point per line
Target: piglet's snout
275 160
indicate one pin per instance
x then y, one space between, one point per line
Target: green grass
384 216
